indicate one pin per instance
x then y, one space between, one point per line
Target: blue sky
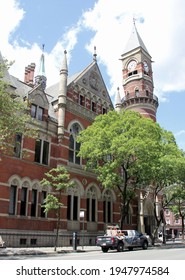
78 26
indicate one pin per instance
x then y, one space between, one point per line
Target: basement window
22 241
33 241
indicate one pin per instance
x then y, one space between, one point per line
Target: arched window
74 147
107 207
73 202
136 92
91 204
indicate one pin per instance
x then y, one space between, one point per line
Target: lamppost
82 215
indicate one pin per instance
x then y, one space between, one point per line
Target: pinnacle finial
134 20
94 55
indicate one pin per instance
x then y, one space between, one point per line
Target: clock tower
138 78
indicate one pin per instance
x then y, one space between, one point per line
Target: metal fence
46 239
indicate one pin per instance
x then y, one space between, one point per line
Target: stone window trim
92 195
75 192
27 183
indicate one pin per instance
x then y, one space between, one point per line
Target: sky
79 25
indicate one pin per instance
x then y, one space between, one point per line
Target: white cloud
180 133
161 24
162 33
10 17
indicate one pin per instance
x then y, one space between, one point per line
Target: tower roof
41 71
134 41
41 76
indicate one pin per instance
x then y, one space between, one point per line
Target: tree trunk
57 232
182 227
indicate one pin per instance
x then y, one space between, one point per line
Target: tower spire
41 76
135 40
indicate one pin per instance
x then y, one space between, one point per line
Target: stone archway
149 220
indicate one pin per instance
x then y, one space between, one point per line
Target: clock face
146 68
132 65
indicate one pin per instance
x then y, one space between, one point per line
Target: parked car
122 239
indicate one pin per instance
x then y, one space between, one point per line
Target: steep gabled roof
134 42
90 78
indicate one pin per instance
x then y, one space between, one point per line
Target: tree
167 171
14 112
178 204
176 193
122 149
58 179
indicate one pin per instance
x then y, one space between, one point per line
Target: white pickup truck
122 239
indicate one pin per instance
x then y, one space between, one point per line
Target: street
137 254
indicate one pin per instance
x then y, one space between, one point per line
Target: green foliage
128 151
59 180
14 116
51 203
121 149
177 206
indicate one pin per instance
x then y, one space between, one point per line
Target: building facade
62 111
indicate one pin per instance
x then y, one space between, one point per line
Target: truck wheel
105 250
120 247
145 245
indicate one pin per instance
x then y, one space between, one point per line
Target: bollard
75 241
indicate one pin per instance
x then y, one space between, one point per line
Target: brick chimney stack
29 74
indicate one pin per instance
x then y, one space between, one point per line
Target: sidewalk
65 250
45 250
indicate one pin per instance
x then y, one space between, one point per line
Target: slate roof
134 42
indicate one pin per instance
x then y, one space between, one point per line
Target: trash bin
74 240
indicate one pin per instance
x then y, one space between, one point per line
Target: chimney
26 75
29 74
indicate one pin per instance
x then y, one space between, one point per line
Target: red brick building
62 110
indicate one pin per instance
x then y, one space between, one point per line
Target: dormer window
33 110
37 112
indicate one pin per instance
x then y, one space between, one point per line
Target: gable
91 80
38 97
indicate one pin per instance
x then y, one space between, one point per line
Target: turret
118 104
62 97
